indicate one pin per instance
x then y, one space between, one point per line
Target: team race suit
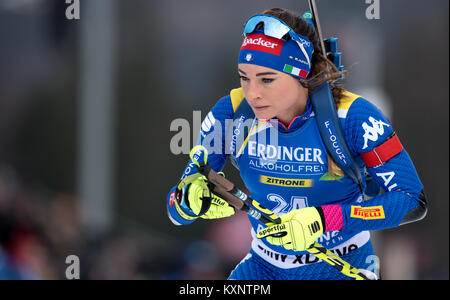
291 172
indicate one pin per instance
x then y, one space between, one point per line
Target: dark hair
322 69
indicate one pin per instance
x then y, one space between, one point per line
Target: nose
253 91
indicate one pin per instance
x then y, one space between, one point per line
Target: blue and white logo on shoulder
373 132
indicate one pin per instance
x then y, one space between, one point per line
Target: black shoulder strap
332 133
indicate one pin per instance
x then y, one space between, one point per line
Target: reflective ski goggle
276 28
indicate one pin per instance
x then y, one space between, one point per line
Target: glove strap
322 217
179 195
206 200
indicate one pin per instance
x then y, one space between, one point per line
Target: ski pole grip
199 155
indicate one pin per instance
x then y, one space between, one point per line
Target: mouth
260 108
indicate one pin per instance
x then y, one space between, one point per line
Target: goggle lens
272 26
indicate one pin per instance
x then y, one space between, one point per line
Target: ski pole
240 200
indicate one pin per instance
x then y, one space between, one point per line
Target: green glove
199 198
299 229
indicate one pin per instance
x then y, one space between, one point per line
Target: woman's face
272 94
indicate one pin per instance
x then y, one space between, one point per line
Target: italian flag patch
295 71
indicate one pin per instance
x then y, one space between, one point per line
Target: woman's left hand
299 229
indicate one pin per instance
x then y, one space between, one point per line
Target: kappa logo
304 42
372 132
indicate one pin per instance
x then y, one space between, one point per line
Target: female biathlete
280 65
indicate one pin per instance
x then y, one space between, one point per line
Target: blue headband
258 48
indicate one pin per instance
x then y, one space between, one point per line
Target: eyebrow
259 74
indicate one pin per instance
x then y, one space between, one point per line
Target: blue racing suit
291 172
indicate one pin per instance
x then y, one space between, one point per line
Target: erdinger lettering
367 213
262 43
271 152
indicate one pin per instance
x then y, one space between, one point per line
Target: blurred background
86 107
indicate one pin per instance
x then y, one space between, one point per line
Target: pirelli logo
286 181
368 213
